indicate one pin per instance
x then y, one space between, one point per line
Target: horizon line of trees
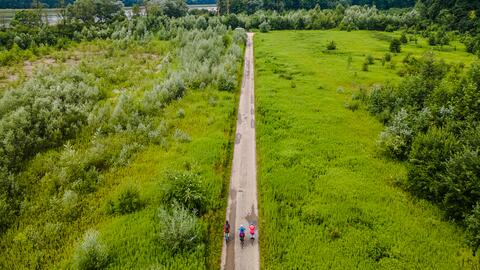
23 4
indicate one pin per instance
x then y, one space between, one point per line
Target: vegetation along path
242 206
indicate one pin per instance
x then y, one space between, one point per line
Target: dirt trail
242 205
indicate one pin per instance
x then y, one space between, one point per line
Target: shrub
186 188
365 66
264 27
427 165
128 201
473 228
181 113
332 46
432 40
181 136
70 205
395 46
388 57
179 230
91 254
404 38
395 141
226 82
6 215
370 60
463 183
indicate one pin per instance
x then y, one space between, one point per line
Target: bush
181 136
473 228
181 113
395 141
226 82
6 215
395 46
388 57
187 189
370 60
365 66
91 254
404 38
179 230
332 46
128 201
264 27
432 40
463 183
428 159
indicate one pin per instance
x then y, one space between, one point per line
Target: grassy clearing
328 200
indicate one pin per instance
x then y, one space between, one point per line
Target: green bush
186 188
179 230
388 57
365 66
369 60
181 136
404 38
473 228
395 141
264 27
128 201
332 46
6 215
395 46
463 182
428 163
91 254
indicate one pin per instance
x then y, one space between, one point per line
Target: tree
395 46
91 11
170 8
26 20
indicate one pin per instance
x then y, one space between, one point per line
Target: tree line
62 3
250 6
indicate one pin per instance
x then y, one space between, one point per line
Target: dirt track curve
242 204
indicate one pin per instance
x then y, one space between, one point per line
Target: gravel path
242 205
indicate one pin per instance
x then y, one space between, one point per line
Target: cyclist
242 233
226 230
252 231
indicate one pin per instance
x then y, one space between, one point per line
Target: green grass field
328 200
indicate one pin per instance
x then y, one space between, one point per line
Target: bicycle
252 238
227 237
242 239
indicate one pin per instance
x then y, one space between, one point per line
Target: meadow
105 183
328 198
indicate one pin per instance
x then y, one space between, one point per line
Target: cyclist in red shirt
252 231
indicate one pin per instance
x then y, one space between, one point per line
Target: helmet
251 224
241 226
